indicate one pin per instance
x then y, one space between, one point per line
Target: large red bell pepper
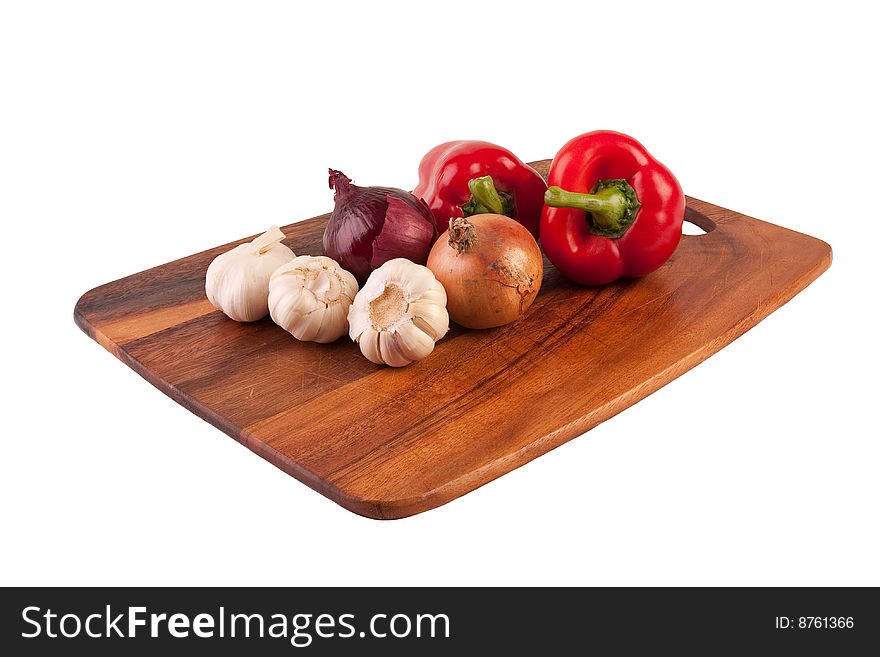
612 210
463 178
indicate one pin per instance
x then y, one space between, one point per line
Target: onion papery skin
492 278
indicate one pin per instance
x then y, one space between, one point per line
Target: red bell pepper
464 178
627 225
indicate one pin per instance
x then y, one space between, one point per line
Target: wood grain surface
389 443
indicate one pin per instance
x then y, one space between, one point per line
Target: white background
132 134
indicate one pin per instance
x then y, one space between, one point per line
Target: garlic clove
369 344
436 294
307 327
430 318
392 349
358 322
412 342
298 300
324 285
334 317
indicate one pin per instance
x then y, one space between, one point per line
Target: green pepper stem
484 192
612 205
607 206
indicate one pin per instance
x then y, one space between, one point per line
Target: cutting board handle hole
696 223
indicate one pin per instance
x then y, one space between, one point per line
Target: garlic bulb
309 297
398 314
237 281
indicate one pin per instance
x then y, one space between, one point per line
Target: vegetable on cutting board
490 267
399 314
463 178
612 210
309 297
237 282
372 225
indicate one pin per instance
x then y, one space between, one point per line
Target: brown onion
490 267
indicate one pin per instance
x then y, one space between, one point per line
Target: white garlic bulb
237 281
399 314
309 297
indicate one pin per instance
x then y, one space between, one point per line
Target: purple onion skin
371 225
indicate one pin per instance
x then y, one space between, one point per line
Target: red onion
371 225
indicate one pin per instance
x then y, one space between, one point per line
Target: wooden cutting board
389 443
